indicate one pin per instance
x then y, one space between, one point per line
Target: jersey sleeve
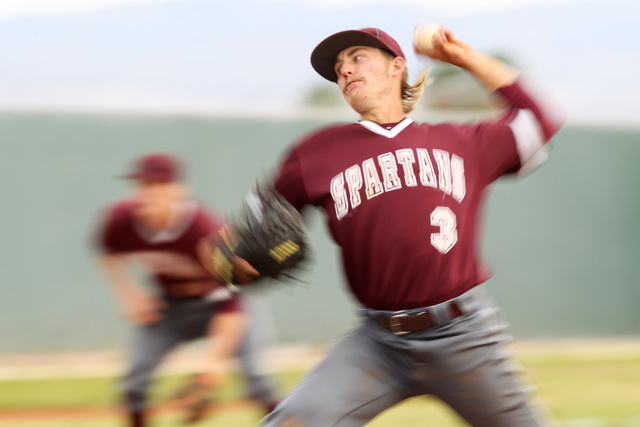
108 235
546 116
289 181
207 221
517 141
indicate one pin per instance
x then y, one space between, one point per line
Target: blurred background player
159 227
404 201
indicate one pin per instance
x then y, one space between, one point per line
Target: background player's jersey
168 255
403 200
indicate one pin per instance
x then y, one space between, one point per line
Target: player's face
154 201
365 76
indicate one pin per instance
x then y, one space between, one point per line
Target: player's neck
385 113
157 222
165 219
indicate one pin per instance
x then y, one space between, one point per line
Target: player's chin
351 92
359 104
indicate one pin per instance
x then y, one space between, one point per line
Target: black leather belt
404 323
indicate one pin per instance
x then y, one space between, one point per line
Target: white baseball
423 36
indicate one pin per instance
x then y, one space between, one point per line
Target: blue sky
251 56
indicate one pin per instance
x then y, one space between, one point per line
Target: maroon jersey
403 201
169 255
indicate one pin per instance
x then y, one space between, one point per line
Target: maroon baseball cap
323 57
156 167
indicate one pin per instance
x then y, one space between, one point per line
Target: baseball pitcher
403 200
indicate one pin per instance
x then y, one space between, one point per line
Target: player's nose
345 70
343 75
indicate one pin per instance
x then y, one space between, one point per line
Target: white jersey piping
388 133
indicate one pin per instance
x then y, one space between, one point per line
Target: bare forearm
442 45
118 278
226 331
137 305
490 71
205 254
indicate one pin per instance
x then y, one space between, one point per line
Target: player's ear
398 65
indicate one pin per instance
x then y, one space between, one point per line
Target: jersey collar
388 133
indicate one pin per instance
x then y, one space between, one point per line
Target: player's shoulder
449 129
205 215
327 133
443 126
114 220
203 209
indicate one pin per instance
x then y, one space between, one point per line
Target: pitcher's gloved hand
266 240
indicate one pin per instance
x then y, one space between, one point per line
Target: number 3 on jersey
444 218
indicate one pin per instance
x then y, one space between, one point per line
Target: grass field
581 385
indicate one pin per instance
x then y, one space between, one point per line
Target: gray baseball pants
460 360
185 320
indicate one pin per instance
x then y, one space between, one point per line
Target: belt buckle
395 324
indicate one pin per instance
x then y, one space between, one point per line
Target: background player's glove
268 234
194 399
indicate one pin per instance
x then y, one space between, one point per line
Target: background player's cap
323 57
157 167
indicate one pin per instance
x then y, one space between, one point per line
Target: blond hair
412 93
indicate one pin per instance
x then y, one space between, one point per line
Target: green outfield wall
564 242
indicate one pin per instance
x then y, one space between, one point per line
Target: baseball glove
268 234
194 399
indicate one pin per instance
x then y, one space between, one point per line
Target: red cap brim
323 57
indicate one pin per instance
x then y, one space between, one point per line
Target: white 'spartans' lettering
396 170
